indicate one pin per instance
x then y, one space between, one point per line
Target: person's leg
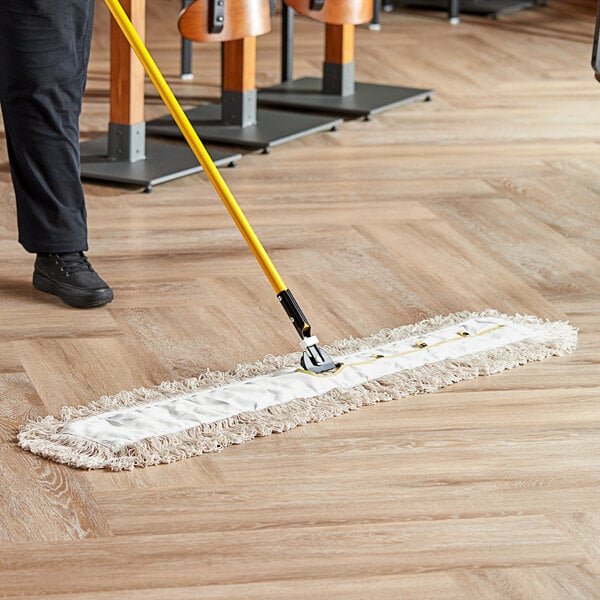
44 51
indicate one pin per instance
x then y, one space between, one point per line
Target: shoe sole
99 298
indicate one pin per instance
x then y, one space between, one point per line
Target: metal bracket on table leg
126 142
338 79
238 108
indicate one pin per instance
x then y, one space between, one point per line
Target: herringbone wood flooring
488 196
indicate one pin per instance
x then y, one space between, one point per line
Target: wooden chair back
335 12
242 18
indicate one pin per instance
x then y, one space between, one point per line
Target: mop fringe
43 436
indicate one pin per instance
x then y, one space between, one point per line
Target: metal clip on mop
314 359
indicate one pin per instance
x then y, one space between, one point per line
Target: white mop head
180 419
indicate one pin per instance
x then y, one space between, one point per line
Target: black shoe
71 278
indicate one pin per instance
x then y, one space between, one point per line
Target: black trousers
44 53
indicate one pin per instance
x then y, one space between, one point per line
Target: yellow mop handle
196 145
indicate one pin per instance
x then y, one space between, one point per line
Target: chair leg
125 156
239 82
454 12
287 42
338 68
375 24
186 51
126 91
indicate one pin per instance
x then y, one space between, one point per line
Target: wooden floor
488 196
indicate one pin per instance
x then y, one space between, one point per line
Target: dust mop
186 418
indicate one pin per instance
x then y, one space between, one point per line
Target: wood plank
45 316
9 361
40 500
545 199
422 586
77 371
195 559
43 502
486 196
535 250
437 259
554 583
18 403
298 503
584 529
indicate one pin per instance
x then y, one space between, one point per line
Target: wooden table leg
338 68
239 82
127 133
